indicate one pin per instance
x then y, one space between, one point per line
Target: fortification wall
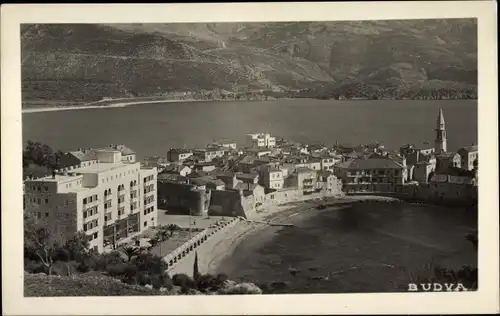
227 203
182 198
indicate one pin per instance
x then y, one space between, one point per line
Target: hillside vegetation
369 59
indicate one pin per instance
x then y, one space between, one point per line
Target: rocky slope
87 62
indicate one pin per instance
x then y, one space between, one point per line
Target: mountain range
88 62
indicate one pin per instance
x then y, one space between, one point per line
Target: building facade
260 140
208 154
178 154
272 178
375 173
446 161
108 198
468 156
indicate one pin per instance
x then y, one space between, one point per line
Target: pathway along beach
364 246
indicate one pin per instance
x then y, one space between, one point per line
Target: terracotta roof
180 150
370 163
303 170
469 148
171 177
82 156
200 181
246 176
446 155
217 182
124 149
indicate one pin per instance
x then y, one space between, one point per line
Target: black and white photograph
259 158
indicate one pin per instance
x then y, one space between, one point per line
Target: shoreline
112 105
220 261
120 103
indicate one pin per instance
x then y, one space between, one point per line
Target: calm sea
366 248
153 128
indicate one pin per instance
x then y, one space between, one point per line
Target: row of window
90 212
119 175
90 199
39 200
149 178
91 225
133 194
36 188
78 182
149 199
149 188
149 210
93 236
39 214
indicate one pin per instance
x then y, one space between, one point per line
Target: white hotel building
107 196
260 140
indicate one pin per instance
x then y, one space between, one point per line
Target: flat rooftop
102 166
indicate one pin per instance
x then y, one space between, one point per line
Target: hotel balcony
122 213
91 204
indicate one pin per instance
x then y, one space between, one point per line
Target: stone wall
181 260
443 193
183 198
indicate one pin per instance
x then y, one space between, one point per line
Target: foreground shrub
206 282
242 288
184 281
65 268
34 266
41 285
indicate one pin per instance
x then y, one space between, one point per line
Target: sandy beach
219 261
352 237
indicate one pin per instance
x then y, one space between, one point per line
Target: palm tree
131 252
172 228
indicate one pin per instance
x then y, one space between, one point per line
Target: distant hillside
88 62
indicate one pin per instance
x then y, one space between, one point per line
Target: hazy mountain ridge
88 62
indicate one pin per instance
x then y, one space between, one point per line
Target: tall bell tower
440 142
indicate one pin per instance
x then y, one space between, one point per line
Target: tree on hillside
41 155
172 228
149 262
38 240
131 252
77 246
196 272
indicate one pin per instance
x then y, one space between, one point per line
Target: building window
145 224
95 235
46 201
46 214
